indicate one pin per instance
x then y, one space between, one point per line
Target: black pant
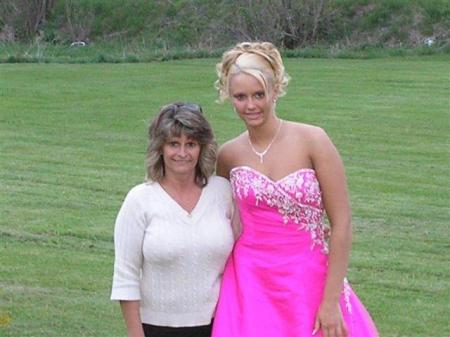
164 331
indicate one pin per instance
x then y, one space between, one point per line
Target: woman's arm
223 168
330 172
131 315
235 221
129 234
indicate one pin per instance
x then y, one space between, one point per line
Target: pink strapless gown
274 279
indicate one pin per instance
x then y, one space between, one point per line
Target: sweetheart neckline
248 168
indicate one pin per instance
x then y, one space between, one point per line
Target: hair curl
173 120
259 59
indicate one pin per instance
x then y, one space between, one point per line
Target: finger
316 326
333 332
344 330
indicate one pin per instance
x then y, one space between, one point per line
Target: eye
192 144
239 97
173 143
260 95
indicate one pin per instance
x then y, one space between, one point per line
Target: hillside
209 25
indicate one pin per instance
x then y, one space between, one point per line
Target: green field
72 143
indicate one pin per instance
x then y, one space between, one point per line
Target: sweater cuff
126 294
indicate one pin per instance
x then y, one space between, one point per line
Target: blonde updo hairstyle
261 60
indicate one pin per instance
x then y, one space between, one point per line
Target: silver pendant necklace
263 153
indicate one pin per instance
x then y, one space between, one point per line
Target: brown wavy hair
173 120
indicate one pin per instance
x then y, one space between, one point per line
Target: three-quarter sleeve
128 238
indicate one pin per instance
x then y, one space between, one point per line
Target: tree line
211 24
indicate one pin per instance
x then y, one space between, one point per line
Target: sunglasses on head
191 107
174 108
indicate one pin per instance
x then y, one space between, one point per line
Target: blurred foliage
212 24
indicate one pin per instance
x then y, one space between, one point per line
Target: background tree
25 18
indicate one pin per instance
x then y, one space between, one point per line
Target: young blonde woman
286 274
173 233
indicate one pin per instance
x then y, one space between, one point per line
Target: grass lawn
72 143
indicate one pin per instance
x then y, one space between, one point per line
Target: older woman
172 234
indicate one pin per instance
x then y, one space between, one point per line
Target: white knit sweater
170 260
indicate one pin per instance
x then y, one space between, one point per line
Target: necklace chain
263 153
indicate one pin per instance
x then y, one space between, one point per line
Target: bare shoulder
308 133
228 150
322 152
318 137
227 155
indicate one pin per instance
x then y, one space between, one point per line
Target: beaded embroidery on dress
274 279
297 197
